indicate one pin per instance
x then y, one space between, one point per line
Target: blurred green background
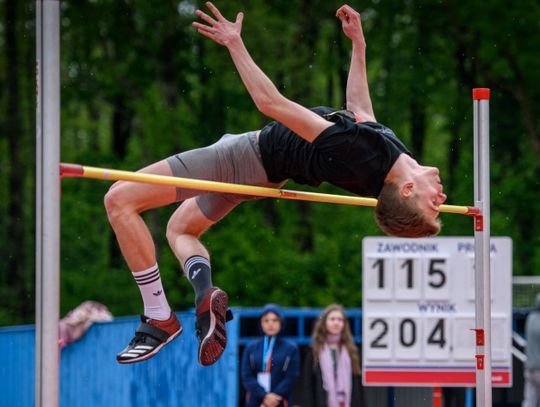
139 84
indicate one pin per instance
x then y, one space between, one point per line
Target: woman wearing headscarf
271 364
331 372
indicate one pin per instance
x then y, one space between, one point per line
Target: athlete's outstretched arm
264 93
358 99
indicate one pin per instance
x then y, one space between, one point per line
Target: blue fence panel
90 375
17 361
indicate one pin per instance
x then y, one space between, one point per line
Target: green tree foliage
139 84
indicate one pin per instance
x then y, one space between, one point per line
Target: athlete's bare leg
124 203
185 227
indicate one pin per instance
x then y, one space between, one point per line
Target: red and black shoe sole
214 343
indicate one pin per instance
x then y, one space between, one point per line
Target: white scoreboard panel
418 311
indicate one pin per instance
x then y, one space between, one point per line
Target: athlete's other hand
351 23
219 29
272 400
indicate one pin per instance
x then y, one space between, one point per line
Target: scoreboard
418 311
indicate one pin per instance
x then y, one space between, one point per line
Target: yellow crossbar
76 170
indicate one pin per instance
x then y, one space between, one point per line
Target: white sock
153 294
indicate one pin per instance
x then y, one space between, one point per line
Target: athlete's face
335 322
270 324
428 191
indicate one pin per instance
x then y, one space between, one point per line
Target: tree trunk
15 261
121 132
122 120
303 89
418 126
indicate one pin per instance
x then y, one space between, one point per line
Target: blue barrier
90 375
17 363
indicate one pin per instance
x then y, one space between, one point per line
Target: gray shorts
234 158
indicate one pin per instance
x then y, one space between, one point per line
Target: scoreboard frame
418 311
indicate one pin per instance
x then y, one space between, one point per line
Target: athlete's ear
406 190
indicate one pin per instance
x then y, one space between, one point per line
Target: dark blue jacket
284 370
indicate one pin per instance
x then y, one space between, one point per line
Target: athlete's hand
219 29
351 23
272 400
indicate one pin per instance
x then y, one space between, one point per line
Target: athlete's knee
173 233
116 201
187 220
187 225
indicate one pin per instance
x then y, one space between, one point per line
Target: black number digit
437 336
376 343
434 271
380 265
410 341
409 265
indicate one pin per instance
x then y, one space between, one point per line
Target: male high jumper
346 148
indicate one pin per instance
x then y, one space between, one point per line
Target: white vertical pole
47 200
39 197
482 247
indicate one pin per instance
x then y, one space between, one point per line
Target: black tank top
352 156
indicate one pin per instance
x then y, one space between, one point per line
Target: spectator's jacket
284 370
310 391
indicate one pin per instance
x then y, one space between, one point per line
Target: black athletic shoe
150 337
212 314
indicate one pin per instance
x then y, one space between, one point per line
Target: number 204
407 333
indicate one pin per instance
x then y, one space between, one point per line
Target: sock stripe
145 277
149 282
146 280
153 294
198 271
146 273
195 259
